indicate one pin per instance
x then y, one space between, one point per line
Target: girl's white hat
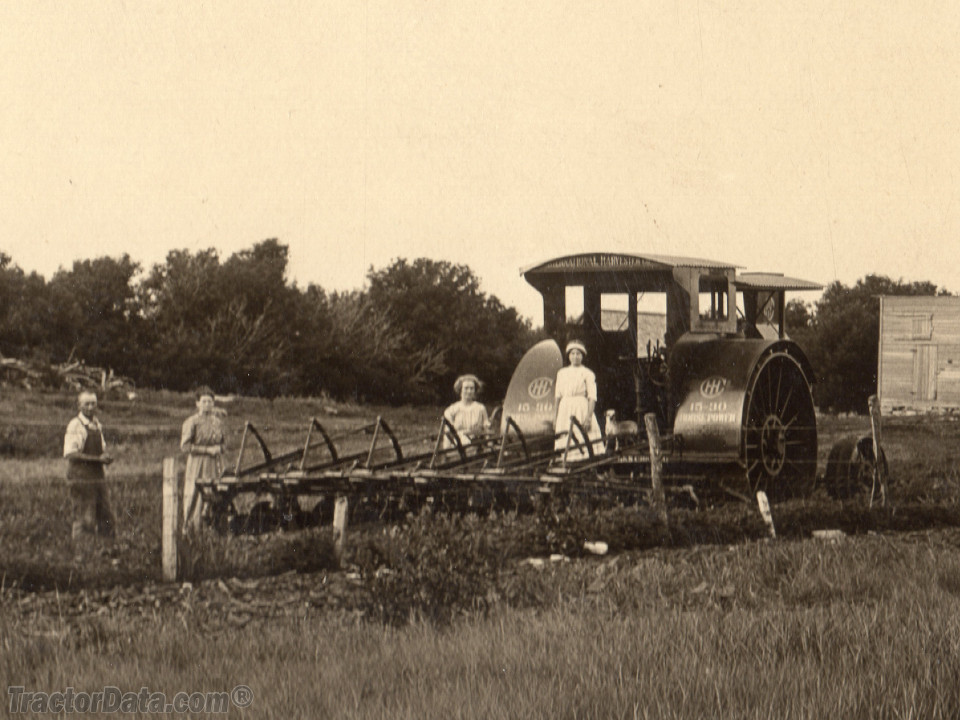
576 345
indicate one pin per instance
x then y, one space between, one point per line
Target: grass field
704 618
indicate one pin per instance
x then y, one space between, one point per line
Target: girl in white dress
467 416
576 396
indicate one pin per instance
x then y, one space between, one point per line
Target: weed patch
434 567
207 555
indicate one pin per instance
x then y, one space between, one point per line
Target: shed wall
919 353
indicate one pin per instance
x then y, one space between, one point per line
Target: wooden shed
919 354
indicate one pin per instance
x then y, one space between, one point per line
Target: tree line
238 325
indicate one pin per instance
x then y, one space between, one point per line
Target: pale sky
809 137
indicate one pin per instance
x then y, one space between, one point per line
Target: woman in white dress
468 417
576 396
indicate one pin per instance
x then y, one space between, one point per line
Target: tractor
693 342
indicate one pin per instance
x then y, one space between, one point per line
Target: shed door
925 372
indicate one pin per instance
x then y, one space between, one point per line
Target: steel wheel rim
779 428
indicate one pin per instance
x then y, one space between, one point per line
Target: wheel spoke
770 397
779 381
789 395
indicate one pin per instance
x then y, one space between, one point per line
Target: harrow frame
504 471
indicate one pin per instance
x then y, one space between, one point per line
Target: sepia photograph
480 360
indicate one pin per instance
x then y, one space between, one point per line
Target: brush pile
71 375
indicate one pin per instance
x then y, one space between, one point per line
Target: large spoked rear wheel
780 429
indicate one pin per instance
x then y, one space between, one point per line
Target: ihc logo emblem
713 386
540 387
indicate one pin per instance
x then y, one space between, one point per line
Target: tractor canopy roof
618 262
700 294
772 281
575 269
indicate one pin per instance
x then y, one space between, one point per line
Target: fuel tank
529 401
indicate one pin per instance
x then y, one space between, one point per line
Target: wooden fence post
340 507
656 465
878 477
764 504
171 520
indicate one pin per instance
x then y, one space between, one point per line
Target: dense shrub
433 568
437 566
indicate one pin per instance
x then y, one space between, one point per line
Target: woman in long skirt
576 397
201 440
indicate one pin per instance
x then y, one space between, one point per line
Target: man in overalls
84 449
